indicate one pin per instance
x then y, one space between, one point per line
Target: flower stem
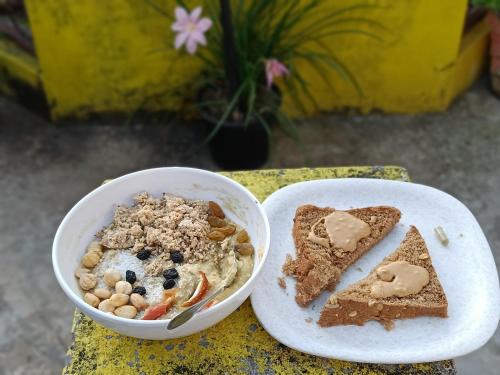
230 58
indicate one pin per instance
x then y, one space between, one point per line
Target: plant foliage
490 4
290 31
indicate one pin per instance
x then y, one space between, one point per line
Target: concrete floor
45 169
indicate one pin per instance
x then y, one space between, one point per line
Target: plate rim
427 357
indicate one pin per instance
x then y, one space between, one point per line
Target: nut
80 271
215 210
106 306
95 246
123 287
88 281
423 256
118 299
228 230
242 236
111 277
102 293
215 235
91 299
352 314
91 259
244 248
216 222
138 301
126 311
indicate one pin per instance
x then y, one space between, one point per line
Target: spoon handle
187 314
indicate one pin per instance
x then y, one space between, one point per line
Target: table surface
238 344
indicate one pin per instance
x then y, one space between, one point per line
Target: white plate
465 267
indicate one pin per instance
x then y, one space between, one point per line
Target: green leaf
232 105
159 9
350 31
288 126
251 102
331 59
265 125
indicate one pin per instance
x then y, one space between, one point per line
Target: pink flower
274 69
190 29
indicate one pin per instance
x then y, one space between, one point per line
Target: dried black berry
143 254
130 276
139 290
171 274
169 284
176 256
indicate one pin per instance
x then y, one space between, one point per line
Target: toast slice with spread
404 285
319 261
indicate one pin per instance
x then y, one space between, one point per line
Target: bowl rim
89 310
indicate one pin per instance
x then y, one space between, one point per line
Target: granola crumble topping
163 225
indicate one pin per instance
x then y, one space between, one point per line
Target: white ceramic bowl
95 211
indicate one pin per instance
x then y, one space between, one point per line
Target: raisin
169 284
216 235
176 257
215 210
170 274
130 276
144 254
139 290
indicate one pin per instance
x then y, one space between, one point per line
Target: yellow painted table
238 344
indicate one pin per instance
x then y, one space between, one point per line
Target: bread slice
318 268
355 305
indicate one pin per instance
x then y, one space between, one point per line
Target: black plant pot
236 147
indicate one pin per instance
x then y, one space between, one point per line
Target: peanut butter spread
399 279
343 229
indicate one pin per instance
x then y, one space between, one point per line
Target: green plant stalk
230 58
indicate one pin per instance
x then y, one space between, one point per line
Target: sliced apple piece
199 292
154 312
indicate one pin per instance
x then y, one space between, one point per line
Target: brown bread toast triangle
354 305
318 268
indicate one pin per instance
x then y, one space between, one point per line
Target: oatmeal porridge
162 255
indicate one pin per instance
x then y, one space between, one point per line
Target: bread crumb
423 256
387 324
282 282
309 320
359 269
289 266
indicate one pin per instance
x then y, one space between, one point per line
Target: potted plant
493 18
248 47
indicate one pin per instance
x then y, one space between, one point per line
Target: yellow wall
97 56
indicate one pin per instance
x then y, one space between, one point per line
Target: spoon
187 314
